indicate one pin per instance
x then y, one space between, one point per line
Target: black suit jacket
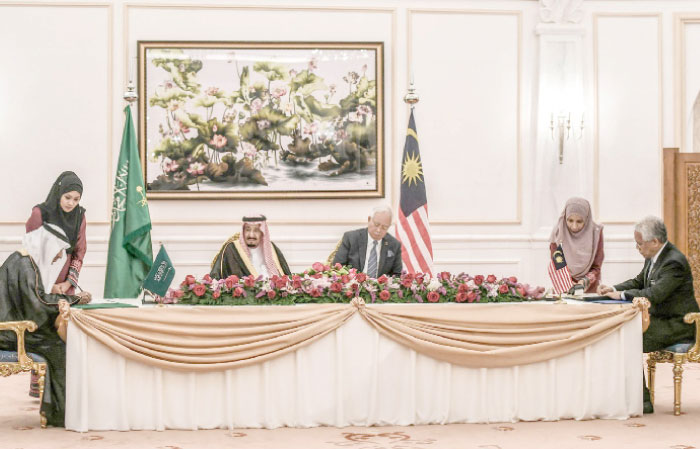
353 251
669 288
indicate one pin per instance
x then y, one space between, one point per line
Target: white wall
475 69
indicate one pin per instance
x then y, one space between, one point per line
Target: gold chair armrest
19 327
643 304
694 352
331 257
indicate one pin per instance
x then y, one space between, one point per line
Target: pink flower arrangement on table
339 284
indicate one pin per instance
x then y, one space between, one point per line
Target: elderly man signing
666 280
372 250
250 252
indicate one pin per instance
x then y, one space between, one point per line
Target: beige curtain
206 338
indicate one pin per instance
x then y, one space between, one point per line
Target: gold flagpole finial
411 98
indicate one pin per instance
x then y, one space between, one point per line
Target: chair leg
41 370
651 366
678 360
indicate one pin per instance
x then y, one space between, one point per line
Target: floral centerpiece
338 284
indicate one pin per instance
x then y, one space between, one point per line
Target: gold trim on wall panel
679 47
409 50
596 95
110 80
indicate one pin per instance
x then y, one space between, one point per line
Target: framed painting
261 119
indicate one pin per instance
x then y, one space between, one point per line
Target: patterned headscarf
579 248
265 243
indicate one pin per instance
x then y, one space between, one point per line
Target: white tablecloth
353 376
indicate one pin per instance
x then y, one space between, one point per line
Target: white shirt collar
653 260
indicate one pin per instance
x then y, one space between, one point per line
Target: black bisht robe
229 262
22 297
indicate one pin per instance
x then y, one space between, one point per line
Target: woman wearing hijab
24 296
62 210
582 242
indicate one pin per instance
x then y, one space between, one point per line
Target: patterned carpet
19 428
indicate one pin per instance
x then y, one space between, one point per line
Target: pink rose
189 279
513 279
503 289
444 276
349 294
406 282
336 287
463 288
199 290
317 266
382 279
471 296
384 295
433 297
271 294
345 279
461 297
478 280
361 277
238 291
491 278
315 292
338 266
216 294
249 281
520 290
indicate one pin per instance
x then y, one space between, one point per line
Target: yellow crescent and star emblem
412 169
558 257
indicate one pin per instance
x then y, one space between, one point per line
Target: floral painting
261 120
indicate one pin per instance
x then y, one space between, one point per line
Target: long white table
352 376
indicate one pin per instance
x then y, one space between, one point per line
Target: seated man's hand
615 295
603 289
85 297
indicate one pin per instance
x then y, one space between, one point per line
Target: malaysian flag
412 228
559 272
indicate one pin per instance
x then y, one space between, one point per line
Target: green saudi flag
130 252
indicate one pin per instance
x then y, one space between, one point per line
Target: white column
560 95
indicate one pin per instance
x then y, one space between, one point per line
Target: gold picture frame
261 120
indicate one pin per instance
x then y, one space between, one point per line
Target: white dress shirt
258 259
370 243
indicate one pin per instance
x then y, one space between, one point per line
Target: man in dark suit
667 281
372 250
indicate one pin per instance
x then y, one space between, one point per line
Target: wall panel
468 116
55 103
629 116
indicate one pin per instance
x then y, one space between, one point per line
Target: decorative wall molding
596 96
680 20
409 52
561 11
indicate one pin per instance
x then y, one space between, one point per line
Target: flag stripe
413 243
418 234
407 256
408 243
424 226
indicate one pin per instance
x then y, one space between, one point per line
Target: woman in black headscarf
62 209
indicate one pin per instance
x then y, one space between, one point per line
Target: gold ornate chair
329 261
20 361
677 354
